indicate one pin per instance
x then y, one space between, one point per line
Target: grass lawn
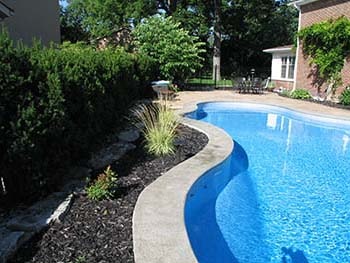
208 82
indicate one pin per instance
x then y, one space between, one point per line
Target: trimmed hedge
54 105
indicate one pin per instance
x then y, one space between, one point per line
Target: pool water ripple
291 202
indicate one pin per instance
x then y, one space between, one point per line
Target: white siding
277 65
33 19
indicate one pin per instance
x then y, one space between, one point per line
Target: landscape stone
131 135
79 172
41 214
21 228
110 154
10 241
61 210
74 186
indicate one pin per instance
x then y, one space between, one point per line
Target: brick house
121 37
5 11
311 12
26 20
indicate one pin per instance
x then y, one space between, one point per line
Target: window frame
286 66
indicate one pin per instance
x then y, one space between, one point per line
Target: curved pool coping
159 230
158 234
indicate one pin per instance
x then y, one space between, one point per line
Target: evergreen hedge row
55 103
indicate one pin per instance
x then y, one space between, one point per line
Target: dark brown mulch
102 231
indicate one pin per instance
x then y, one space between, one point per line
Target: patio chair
265 84
256 85
238 84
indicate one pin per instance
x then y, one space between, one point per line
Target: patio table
250 86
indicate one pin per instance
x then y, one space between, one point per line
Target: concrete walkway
186 98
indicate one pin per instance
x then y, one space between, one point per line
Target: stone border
159 230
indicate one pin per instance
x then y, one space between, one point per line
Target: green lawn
208 82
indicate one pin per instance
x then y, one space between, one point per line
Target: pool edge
159 230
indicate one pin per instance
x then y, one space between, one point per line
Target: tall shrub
55 103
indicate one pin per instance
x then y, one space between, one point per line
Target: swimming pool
282 196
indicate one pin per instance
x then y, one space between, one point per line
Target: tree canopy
247 26
173 48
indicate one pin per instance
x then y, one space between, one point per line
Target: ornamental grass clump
159 127
104 186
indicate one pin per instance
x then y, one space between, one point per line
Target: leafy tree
173 48
282 26
71 26
101 17
247 26
251 26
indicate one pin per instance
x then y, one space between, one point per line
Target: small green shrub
285 93
80 259
159 127
345 96
104 186
271 86
174 87
302 94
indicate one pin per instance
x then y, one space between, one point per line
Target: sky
63 3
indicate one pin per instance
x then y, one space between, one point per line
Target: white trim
281 79
299 3
277 50
297 52
6 11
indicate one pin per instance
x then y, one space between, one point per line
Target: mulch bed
102 231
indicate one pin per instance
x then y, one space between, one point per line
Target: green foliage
207 81
100 18
249 27
104 186
345 96
328 45
176 52
55 104
80 259
173 87
302 94
271 86
71 26
285 93
159 127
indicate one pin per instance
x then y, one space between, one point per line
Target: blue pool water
282 196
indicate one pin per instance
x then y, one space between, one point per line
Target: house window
291 66
288 65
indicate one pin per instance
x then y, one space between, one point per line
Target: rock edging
19 228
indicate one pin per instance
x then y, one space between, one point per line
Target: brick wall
288 85
315 13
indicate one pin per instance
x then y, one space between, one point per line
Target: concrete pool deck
159 231
188 99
